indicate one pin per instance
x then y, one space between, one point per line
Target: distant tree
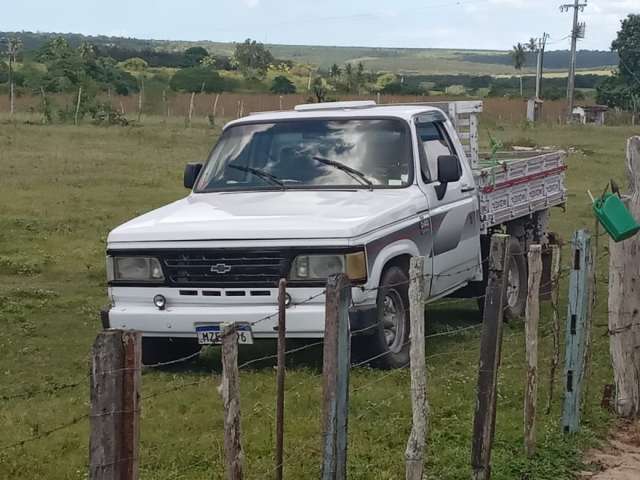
320 89
253 59
387 83
135 64
622 90
282 85
197 79
335 71
532 46
348 73
628 47
359 76
209 61
194 56
519 57
14 44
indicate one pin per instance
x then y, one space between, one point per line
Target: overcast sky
481 24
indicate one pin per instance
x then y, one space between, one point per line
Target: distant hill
399 60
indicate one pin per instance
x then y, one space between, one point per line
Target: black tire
516 301
160 350
388 346
516 282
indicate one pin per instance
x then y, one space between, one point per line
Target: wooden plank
414 453
474 141
575 337
490 347
230 391
532 320
335 371
555 307
115 406
280 377
624 300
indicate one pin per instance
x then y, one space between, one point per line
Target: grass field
63 188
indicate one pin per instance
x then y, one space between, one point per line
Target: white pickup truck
349 187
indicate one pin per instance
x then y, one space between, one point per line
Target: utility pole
13 45
576 33
542 44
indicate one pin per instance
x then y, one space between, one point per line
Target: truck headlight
320 267
134 269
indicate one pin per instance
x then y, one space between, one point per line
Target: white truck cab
349 187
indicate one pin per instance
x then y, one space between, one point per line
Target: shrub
282 85
197 79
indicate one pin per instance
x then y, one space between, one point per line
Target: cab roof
368 109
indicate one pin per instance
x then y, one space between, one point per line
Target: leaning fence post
532 317
624 301
490 346
115 406
230 392
414 454
280 377
335 371
576 329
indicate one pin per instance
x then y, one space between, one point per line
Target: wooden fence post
75 117
490 346
335 371
280 377
230 392
115 405
624 301
576 329
555 307
191 107
414 454
532 319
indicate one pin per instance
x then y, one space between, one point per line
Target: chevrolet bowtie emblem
220 268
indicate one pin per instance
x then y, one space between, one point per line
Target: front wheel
389 344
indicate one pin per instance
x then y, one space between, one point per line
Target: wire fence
302 386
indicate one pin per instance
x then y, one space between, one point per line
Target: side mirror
448 171
191 172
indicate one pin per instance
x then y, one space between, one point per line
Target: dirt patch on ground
620 458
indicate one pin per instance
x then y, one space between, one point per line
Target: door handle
467 189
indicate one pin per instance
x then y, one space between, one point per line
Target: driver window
433 142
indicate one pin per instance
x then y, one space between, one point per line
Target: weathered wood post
532 320
115 405
555 307
280 377
191 107
624 301
576 329
490 346
335 371
230 391
77 113
415 452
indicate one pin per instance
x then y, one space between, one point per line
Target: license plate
211 334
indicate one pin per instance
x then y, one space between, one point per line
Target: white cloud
251 3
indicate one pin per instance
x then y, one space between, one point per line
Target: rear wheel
161 350
516 282
516 299
388 347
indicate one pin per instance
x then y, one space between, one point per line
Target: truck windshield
310 154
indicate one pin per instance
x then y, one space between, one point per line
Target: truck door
454 212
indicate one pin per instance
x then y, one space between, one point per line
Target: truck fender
388 253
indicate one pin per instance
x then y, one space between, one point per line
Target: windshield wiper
261 174
352 172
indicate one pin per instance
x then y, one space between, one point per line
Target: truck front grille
226 268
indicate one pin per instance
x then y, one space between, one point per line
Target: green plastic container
615 217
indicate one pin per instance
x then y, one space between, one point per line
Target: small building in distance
590 114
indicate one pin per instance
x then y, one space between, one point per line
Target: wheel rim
393 320
513 283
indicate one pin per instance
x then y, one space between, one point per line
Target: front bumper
132 309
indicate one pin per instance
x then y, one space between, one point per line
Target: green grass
62 188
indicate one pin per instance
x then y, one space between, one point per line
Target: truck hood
272 215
